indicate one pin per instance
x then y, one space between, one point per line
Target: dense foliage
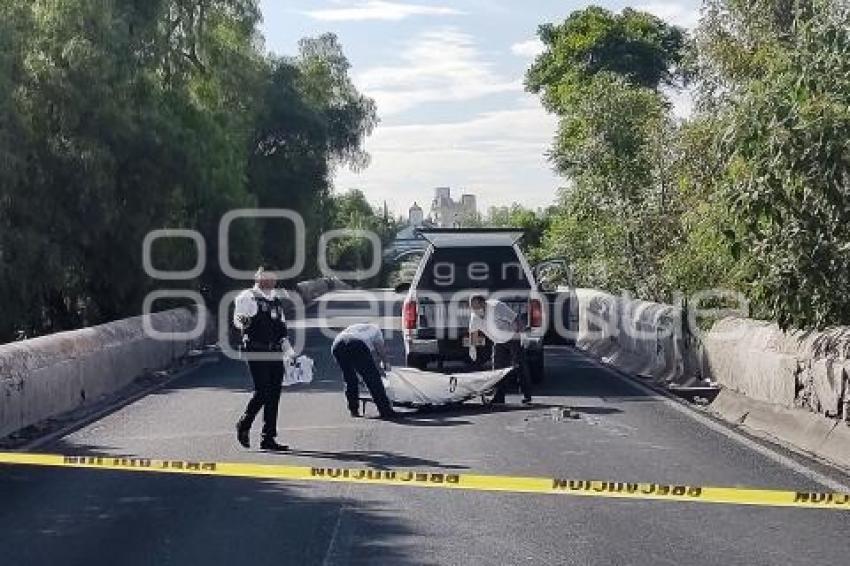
634 45
354 253
118 117
785 139
601 74
533 223
749 194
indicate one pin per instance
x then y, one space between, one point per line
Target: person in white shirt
259 314
501 325
360 349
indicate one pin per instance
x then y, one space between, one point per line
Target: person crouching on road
360 349
259 315
501 325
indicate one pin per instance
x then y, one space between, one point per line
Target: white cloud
379 10
498 156
437 66
529 49
683 14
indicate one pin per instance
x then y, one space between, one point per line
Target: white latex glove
473 352
242 320
286 348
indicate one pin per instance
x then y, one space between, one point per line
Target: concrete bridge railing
806 370
46 376
638 337
793 387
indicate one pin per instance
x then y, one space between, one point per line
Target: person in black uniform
360 349
259 314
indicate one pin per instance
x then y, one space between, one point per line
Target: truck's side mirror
552 273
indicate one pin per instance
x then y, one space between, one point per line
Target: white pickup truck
460 263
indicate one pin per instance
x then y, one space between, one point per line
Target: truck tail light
409 315
535 313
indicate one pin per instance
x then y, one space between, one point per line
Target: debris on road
560 414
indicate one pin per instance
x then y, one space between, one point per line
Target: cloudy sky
447 78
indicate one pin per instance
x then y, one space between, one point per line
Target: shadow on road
595 410
569 373
469 409
74 515
412 419
377 459
572 373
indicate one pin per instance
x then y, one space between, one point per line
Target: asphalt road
66 516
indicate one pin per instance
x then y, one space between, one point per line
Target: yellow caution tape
444 480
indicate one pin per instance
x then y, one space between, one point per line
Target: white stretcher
416 388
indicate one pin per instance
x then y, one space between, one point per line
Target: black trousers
267 376
511 354
354 357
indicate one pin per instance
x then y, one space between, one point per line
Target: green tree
738 40
14 137
612 146
533 223
118 117
787 122
351 210
601 73
312 120
634 45
704 253
751 194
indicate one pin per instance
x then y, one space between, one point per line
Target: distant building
445 213
408 239
415 216
448 213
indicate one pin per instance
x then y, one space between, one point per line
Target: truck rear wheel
416 361
536 368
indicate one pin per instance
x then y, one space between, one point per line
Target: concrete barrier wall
638 337
807 370
798 370
44 377
311 290
47 376
791 386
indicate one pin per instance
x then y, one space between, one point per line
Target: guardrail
46 376
793 387
638 337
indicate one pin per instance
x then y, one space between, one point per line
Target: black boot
389 414
354 407
270 443
243 433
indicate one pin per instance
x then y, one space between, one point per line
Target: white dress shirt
367 333
372 336
246 305
498 322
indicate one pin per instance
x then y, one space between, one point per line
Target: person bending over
360 350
